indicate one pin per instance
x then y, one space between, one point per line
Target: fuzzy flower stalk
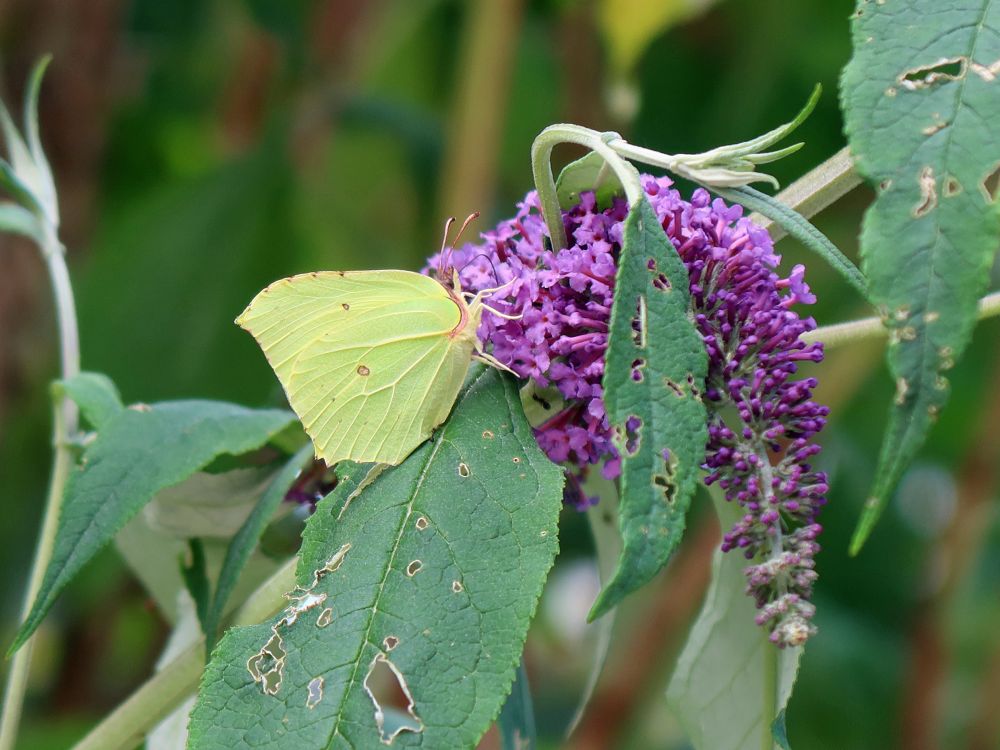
761 419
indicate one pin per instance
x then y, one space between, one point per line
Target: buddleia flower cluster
762 419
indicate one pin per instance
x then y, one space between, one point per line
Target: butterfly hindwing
366 358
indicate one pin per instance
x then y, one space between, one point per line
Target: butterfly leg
490 360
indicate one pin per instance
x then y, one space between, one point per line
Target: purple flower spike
761 420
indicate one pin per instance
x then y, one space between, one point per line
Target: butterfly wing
366 358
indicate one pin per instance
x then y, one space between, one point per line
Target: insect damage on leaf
267 665
384 684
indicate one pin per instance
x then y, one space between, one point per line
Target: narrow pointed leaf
654 375
730 684
138 452
45 188
243 543
427 574
19 220
922 108
517 717
799 227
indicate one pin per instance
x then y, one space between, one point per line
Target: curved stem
64 428
545 183
871 328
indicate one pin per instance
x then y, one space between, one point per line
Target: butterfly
371 361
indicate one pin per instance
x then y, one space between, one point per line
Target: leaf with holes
921 98
420 583
138 451
731 685
655 372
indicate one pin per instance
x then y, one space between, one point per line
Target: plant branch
872 328
545 182
162 693
65 424
815 190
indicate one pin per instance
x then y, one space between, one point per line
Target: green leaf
652 338
246 539
28 175
922 111
45 188
588 173
19 220
95 394
426 574
212 506
730 682
140 451
517 717
195 576
800 228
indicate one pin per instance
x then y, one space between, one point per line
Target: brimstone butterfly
371 361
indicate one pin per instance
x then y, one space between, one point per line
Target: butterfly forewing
366 358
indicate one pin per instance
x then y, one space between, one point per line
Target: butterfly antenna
444 246
465 224
496 276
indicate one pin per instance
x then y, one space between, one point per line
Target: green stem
865 329
64 429
545 182
815 190
162 693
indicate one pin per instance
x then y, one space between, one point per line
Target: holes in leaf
674 387
928 193
952 187
413 568
661 282
268 665
990 185
390 642
637 365
325 618
633 435
516 460
487 434
664 480
944 70
463 470
390 695
457 587
421 523
315 692
639 323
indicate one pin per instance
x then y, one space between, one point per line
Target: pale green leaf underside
367 359
660 475
922 105
590 172
730 682
433 570
138 451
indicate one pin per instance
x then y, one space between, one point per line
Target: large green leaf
655 372
428 573
731 685
139 451
922 107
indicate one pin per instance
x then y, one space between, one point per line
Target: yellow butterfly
371 361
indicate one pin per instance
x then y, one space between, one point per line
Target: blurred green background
203 148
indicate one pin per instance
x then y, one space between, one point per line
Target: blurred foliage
244 140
